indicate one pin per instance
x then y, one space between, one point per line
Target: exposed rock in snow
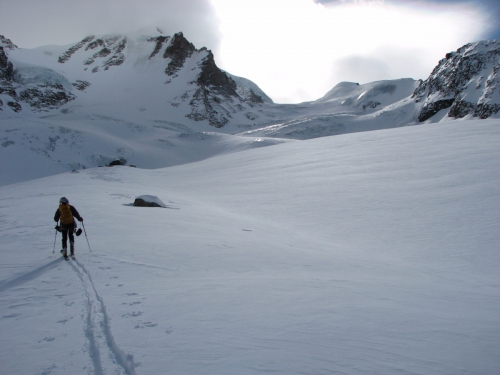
81 85
149 201
67 55
120 161
46 96
160 41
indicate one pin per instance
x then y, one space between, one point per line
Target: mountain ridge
215 96
157 101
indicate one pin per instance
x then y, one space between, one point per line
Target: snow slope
364 253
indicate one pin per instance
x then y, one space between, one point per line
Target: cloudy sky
295 50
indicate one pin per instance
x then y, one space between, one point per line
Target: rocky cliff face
7 91
466 81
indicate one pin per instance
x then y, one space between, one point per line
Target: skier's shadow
31 275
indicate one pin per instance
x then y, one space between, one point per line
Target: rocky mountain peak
7 43
466 81
211 75
178 51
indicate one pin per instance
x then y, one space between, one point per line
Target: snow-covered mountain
153 100
138 71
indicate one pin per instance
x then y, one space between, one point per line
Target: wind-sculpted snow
363 253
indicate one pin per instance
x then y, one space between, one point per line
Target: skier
66 213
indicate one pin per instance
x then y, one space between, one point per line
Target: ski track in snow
105 354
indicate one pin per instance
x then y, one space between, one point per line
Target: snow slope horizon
372 252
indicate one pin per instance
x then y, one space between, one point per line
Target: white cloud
297 49
32 23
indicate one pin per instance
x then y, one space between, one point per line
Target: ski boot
64 252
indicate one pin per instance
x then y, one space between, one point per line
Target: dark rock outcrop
109 48
120 161
7 43
462 108
178 51
6 67
138 202
46 96
15 106
371 104
81 85
212 76
6 78
431 108
67 55
160 41
149 201
208 106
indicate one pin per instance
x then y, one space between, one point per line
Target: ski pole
53 251
86 236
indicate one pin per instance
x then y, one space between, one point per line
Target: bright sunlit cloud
297 50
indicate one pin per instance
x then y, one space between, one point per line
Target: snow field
363 253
